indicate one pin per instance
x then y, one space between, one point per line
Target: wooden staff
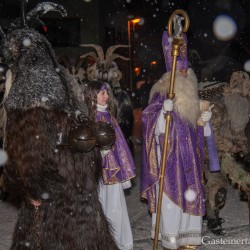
177 42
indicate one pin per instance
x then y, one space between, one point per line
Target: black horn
45 7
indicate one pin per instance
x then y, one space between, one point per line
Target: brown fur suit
230 117
59 187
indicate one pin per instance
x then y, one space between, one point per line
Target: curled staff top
177 21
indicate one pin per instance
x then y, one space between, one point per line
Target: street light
133 22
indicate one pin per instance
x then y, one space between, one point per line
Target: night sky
211 57
218 55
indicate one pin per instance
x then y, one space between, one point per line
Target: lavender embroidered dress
118 168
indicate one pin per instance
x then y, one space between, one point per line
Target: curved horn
111 57
114 56
111 49
45 7
92 54
98 49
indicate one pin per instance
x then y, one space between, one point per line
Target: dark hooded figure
58 184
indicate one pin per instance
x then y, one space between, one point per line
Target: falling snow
44 99
27 244
224 27
45 196
247 66
190 195
26 42
3 157
88 209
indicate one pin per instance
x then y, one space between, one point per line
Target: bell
81 138
105 135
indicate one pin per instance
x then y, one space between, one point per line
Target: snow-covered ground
235 214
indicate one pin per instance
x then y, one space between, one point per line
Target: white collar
101 108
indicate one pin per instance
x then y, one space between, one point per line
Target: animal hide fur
44 101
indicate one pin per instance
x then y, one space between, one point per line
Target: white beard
186 101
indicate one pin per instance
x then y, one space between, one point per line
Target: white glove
168 105
126 184
207 115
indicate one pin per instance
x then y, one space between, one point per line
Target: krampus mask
104 69
58 185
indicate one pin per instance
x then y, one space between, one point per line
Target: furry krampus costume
60 208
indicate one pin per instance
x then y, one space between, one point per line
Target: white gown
115 209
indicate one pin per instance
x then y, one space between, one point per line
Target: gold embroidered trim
171 238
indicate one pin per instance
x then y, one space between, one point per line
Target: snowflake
26 42
88 209
44 99
190 195
224 27
45 196
57 70
3 157
247 66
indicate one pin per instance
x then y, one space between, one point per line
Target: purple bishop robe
184 162
118 164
